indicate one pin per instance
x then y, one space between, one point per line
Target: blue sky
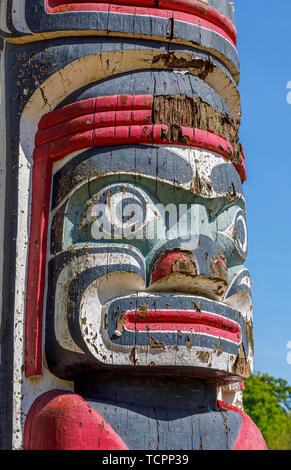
264 34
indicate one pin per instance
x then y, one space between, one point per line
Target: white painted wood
18 16
3 15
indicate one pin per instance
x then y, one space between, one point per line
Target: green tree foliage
268 403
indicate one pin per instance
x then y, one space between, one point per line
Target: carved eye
241 234
232 236
119 211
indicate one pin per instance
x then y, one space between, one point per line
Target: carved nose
176 262
201 271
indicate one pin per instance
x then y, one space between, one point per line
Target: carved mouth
192 321
169 319
112 314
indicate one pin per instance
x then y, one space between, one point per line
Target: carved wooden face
147 249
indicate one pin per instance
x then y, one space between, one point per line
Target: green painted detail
195 215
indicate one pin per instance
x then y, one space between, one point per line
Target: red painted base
61 420
249 438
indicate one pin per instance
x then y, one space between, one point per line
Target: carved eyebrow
149 161
225 179
152 161
216 206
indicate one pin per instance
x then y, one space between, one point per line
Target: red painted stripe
94 105
207 15
93 121
249 437
134 134
203 11
184 320
71 111
188 18
60 420
41 188
83 109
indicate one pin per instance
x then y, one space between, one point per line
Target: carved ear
60 420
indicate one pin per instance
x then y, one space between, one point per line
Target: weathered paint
205 27
80 428
6 343
58 137
250 437
2 181
122 103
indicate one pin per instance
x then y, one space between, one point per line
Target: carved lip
191 321
143 319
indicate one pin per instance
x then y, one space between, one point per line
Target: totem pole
126 307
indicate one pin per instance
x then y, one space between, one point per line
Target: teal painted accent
197 215
226 234
234 270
